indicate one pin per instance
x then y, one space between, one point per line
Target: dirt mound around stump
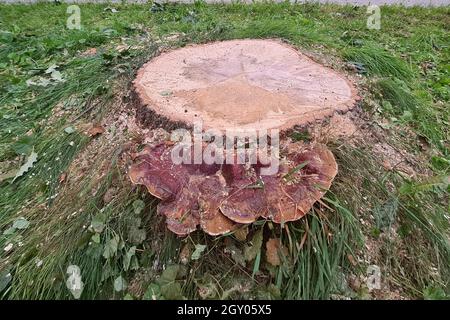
242 84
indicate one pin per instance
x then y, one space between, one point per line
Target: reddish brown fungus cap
219 198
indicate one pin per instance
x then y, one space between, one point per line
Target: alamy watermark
374 19
74 20
247 147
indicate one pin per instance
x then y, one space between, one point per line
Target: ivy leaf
199 248
120 284
27 166
172 291
153 292
111 247
96 238
169 275
169 288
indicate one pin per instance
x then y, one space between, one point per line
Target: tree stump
235 86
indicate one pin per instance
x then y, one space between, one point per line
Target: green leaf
250 252
24 145
169 275
120 284
431 293
98 223
57 76
51 69
27 166
21 223
111 247
69 130
96 238
9 231
128 297
136 235
385 214
172 291
138 206
5 279
199 248
127 258
153 292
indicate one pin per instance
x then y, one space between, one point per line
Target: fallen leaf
351 259
89 52
166 93
52 68
199 248
120 284
21 223
62 177
111 247
109 195
98 223
274 249
27 166
95 130
57 76
69 130
185 254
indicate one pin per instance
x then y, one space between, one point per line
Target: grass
371 215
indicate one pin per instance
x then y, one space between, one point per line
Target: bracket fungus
220 197
231 86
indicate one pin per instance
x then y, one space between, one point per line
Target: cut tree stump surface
242 84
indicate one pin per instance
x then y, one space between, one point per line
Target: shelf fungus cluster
219 197
258 85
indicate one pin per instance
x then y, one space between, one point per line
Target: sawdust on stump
233 86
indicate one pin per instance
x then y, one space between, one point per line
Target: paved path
423 3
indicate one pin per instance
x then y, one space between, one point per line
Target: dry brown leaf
109 195
62 177
89 52
351 259
274 249
185 254
95 130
